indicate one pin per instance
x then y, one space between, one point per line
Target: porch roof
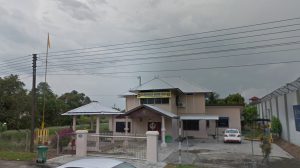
93 108
152 108
199 117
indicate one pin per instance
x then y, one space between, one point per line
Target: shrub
276 127
65 136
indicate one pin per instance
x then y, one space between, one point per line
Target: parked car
232 135
97 163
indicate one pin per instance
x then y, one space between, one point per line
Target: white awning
199 117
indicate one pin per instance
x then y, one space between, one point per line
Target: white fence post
81 142
152 152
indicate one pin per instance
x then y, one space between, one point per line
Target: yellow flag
48 41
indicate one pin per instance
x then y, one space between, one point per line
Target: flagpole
46 68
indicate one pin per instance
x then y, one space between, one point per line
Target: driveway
213 153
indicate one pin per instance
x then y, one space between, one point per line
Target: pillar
92 122
126 131
97 131
152 152
81 143
112 128
74 123
163 132
98 124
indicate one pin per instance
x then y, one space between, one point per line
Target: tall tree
13 101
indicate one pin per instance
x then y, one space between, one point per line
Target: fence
64 144
131 146
15 140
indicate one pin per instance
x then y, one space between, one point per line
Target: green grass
24 156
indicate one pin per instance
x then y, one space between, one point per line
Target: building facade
167 104
284 103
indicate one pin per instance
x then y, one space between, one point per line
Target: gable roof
159 83
152 108
93 108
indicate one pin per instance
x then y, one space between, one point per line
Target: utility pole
33 93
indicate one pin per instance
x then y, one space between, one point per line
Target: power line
182 60
162 52
184 35
189 69
192 39
195 53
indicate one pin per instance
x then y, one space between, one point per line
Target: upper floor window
155 101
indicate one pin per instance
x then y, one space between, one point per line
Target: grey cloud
77 10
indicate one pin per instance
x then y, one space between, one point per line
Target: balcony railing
154 95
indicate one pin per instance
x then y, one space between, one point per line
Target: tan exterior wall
131 102
233 112
192 104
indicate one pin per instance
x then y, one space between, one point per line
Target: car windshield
124 165
232 131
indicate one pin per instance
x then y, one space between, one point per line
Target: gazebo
93 109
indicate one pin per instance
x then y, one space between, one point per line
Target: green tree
212 98
14 101
250 114
235 99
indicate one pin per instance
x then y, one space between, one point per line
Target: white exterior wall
287 118
282 118
274 109
294 135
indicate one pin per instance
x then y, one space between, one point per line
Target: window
155 101
223 122
120 126
191 125
297 117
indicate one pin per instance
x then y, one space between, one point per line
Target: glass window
223 122
191 125
120 126
297 117
155 101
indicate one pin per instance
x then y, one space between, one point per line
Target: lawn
24 156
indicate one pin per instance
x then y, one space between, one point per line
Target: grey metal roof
154 108
165 112
93 108
289 87
159 83
127 94
199 117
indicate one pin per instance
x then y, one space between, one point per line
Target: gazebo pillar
112 128
97 124
163 132
92 122
97 131
74 123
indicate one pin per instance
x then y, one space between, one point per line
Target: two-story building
166 104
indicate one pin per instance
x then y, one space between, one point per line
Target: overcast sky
75 24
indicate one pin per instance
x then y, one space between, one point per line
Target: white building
284 103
